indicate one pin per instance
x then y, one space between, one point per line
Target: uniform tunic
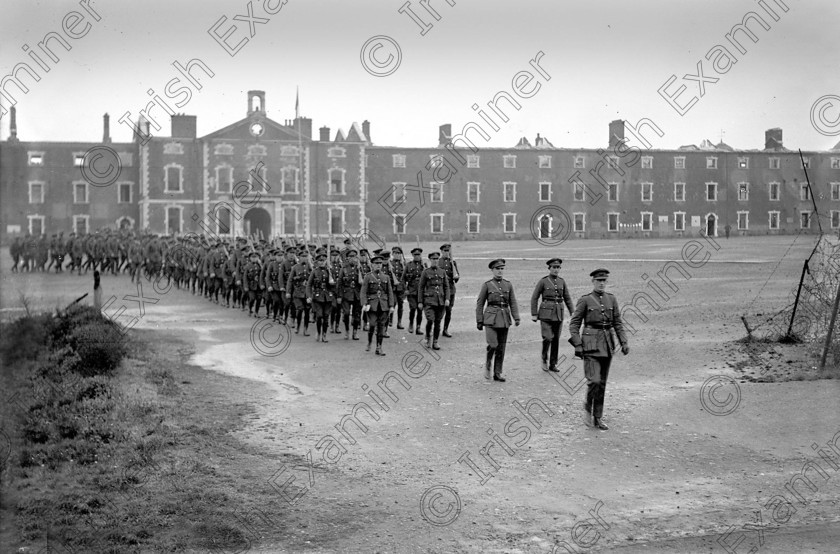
501 309
554 294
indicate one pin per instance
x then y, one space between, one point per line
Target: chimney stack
773 139
12 125
366 130
106 129
444 134
325 134
616 133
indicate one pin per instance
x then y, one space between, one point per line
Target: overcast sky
606 60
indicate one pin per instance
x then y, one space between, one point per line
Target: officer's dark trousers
596 369
496 343
321 310
434 314
377 321
412 310
551 341
352 310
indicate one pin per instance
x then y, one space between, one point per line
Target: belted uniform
554 294
500 311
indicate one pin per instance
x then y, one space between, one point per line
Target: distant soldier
495 319
378 296
598 312
296 291
16 250
397 269
77 249
410 282
349 293
274 284
365 268
433 294
552 289
320 293
286 272
252 284
336 263
450 266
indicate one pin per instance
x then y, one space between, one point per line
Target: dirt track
668 475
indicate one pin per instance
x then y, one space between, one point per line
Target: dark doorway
711 225
258 223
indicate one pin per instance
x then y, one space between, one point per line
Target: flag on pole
297 103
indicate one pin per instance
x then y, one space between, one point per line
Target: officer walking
349 293
320 294
433 293
378 295
411 280
495 319
598 312
552 289
451 268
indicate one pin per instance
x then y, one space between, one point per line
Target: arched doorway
711 225
258 223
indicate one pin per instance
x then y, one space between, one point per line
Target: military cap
434 255
554 261
377 252
385 254
600 274
397 249
320 256
377 260
445 247
347 241
351 252
244 248
500 262
303 252
334 252
363 251
262 241
417 250
313 246
320 251
290 249
254 253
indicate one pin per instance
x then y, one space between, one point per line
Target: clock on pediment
257 129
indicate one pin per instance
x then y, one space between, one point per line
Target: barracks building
263 178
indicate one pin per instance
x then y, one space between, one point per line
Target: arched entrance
711 225
258 223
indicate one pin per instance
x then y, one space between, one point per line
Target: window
835 219
545 162
612 162
679 221
222 220
679 162
78 159
473 192
125 193
835 163
36 224
579 191
261 178
647 162
774 192
257 150
509 223
612 221
773 220
173 219
336 176
173 148
367 159
509 191
806 163
336 220
612 192
473 222
545 192
743 163
289 180
399 224
223 150
398 160
647 221
711 162
472 161
436 223
81 224
36 158
509 161
579 162
173 178
743 191
804 192
288 151
434 161
679 192
579 222
835 191
80 193
805 220
398 194
711 192
436 196
337 152
36 193
743 221
647 192
224 179
290 220
774 163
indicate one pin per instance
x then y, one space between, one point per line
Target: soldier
320 294
16 249
286 272
274 285
378 295
296 291
385 254
216 267
364 266
397 269
336 263
410 280
252 284
598 312
451 268
433 293
349 293
552 289
495 319
77 249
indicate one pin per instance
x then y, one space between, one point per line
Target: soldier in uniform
451 268
397 269
433 293
349 293
252 283
286 273
320 294
378 295
364 266
296 291
599 313
336 263
16 250
410 280
495 319
273 285
552 289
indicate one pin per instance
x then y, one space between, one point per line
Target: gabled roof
523 143
542 142
242 130
706 145
723 146
340 136
690 147
356 133
836 147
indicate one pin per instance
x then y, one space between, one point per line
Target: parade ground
700 455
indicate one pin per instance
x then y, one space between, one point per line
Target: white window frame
617 222
343 190
120 185
473 161
715 190
578 191
432 219
679 217
43 186
398 193
43 220
647 162
835 163
505 221
649 221
285 181
124 218
609 192
804 212
711 162
472 216
770 215
330 212
76 196
436 196
223 149
649 187
679 186
540 192
394 224
835 190
746 215
81 217
544 161
398 160
582 228
296 211
745 160
746 189
806 162
804 192
580 162
180 218
166 183
78 159
435 160
505 185
834 219
774 162
778 187
218 221
337 152
289 151
257 150
477 186
219 169
679 162
263 177
509 161
35 154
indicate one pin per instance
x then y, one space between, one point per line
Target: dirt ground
695 449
